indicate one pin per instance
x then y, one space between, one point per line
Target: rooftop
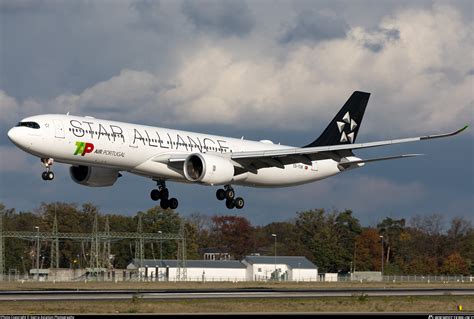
292 261
191 263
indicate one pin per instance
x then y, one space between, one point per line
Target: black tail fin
344 127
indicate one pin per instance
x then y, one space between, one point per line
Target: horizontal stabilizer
346 164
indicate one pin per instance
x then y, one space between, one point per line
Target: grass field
424 304
340 304
92 285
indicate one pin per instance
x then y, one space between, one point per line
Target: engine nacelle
93 176
208 169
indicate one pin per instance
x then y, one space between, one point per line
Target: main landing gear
47 175
162 194
228 194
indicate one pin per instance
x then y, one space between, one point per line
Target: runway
178 294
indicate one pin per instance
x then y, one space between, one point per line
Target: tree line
335 241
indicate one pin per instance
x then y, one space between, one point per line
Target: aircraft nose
13 134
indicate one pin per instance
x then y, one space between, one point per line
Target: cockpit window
29 124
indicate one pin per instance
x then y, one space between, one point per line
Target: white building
196 270
292 268
251 268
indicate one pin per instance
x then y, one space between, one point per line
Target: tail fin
344 127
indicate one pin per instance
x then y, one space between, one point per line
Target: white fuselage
131 147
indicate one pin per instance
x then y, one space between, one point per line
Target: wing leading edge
255 160
252 161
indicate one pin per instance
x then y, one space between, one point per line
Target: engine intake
208 169
93 176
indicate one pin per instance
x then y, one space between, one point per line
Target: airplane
99 150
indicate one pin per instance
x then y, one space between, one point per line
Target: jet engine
208 169
93 176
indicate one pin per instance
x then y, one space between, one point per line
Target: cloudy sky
276 70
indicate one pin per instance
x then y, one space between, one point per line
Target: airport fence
410 278
340 278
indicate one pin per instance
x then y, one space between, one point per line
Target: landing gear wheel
47 176
164 193
229 194
173 203
47 163
239 203
220 194
164 203
229 204
155 194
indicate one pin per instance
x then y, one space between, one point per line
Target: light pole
37 252
274 235
381 237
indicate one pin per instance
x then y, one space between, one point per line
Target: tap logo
83 148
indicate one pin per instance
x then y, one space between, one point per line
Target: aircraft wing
254 160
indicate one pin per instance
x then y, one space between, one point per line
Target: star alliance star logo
351 125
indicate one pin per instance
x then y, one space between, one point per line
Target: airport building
292 268
196 270
251 268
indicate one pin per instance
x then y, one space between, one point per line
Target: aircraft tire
229 204
173 203
164 194
229 194
220 194
239 203
164 203
155 194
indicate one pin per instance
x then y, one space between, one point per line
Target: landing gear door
58 129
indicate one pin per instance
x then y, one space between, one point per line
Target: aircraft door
314 166
58 129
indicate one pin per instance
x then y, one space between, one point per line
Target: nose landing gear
47 175
162 194
228 194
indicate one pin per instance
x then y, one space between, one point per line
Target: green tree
391 230
329 238
288 241
347 228
202 225
157 219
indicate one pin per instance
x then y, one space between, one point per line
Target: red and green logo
83 148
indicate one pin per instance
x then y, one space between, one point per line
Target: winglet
444 135
463 129
346 164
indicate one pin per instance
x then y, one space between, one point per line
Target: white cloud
416 63
7 104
